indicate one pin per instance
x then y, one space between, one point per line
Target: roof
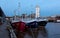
1 12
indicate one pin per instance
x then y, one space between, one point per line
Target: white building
37 11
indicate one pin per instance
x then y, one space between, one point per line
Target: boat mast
17 11
15 14
19 8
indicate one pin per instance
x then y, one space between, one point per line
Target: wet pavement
3 31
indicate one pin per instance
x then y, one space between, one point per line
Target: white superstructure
37 11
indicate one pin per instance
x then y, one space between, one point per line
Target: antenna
15 14
19 8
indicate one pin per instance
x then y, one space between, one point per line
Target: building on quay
2 15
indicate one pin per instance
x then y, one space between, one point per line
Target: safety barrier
11 32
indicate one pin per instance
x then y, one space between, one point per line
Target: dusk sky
47 7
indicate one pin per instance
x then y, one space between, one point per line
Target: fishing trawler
29 28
